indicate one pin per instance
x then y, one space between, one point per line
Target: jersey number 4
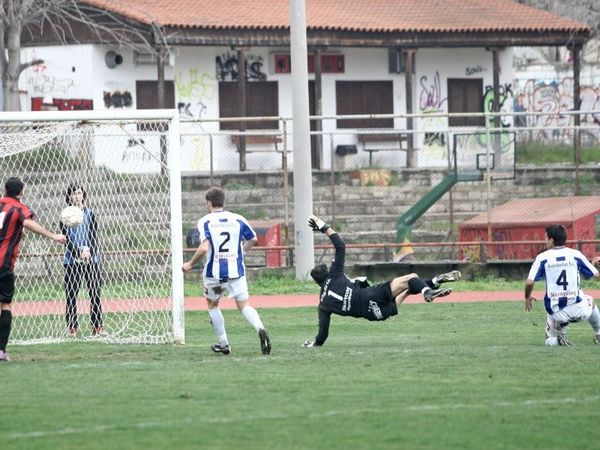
562 280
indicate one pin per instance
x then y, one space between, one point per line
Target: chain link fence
432 192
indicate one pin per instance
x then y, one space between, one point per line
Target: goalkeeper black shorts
377 302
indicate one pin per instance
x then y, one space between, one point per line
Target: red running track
259 301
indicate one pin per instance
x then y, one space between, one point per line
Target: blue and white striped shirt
226 232
560 268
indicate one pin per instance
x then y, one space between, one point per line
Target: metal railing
394 183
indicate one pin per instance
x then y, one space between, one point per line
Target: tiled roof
349 15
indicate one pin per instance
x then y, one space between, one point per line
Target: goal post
127 163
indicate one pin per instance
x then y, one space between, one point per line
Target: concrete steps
362 214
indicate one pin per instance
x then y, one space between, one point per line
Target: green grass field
441 375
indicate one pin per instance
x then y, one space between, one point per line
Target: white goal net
119 279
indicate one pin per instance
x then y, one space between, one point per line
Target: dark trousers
74 274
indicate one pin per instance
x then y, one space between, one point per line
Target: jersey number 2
222 247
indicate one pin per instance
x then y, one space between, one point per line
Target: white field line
331 413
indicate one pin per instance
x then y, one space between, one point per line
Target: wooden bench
373 143
261 144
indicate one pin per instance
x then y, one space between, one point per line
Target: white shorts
236 287
575 312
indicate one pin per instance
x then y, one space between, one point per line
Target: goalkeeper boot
430 294
4 356
265 342
218 348
562 341
448 277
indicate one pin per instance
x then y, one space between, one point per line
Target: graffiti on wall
227 67
195 90
505 97
474 70
434 138
117 99
555 97
430 96
432 101
39 83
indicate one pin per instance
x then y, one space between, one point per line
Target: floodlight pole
303 195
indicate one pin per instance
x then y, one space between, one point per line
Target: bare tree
588 12
64 22
584 11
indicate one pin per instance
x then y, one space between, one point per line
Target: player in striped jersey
560 267
224 237
14 215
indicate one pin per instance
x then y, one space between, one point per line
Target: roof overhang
337 38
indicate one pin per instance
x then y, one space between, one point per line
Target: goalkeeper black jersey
346 297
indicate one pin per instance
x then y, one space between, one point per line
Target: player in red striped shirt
14 215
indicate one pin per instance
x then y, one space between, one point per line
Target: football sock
564 327
5 323
595 320
252 317
218 323
416 285
552 328
435 282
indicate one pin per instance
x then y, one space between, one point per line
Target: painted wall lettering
553 97
117 99
430 97
227 67
474 70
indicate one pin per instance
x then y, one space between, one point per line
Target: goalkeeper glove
308 344
317 224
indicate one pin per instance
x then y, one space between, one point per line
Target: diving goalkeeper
345 297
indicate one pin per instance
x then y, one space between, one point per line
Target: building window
146 94
146 97
364 97
262 100
465 95
397 61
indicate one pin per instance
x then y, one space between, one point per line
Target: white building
462 63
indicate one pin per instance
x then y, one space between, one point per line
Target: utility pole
303 195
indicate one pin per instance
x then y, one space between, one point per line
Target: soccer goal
128 165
